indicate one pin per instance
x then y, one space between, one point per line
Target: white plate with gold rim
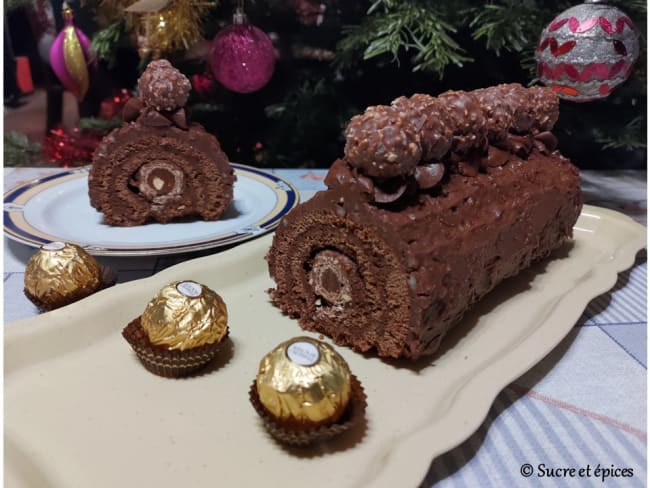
80 410
57 208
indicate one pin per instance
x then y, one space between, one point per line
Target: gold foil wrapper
184 315
59 271
304 382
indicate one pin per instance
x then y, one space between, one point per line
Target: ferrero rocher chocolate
60 273
181 330
185 315
304 383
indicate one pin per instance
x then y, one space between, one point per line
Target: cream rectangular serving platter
80 410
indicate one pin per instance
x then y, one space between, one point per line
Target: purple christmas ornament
242 57
71 57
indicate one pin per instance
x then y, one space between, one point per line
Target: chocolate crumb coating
395 277
521 105
465 114
163 87
430 119
382 143
158 166
497 110
414 109
437 133
546 108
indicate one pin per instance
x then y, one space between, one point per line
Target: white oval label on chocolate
189 289
53 246
303 353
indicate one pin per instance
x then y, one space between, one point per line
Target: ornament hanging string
240 16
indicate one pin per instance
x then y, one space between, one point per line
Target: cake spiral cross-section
158 166
391 256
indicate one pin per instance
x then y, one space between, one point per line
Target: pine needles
511 26
416 28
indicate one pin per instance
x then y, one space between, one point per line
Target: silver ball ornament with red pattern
586 51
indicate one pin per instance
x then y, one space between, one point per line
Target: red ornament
586 51
242 57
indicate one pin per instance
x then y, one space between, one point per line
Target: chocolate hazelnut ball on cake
382 143
390 263
158 166
163 87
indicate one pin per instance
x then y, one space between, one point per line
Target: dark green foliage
106 41
19 151
403 27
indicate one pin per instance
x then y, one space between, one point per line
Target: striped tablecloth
578 418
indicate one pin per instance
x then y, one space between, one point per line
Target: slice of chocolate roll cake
436 201
157 166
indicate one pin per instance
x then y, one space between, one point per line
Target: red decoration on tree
204 84
586 51
242 57
70 149
112 107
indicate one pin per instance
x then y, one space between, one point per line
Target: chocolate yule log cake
436 201
157 166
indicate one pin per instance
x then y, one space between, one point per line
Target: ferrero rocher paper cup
60 273
304 392
180 330
162 361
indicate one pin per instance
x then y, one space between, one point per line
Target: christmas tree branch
105 41
19 151
631 136
99 125
393 27
512 25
